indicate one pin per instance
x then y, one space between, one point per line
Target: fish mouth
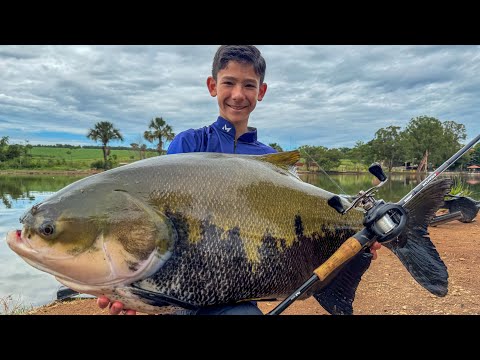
23 246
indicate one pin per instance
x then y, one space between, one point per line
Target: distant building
410 166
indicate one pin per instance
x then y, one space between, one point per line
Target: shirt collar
228 129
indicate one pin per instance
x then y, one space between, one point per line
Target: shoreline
49 172
91 172
393 172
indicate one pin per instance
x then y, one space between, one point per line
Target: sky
321 95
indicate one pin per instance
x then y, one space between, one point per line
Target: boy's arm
184 142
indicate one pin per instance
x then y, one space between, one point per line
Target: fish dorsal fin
285 160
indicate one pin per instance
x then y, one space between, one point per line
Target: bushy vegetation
391 146
459 188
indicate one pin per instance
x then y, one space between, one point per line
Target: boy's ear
212 86
262 91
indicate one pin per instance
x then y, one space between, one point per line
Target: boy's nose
237 92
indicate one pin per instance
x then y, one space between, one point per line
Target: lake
23 282
32 287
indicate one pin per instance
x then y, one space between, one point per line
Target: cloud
317 95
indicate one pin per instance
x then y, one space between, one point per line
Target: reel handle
336 203
376 170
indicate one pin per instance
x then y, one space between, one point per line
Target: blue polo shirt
218 137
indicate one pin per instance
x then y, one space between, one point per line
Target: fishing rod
383 223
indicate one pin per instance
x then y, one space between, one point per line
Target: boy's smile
237 89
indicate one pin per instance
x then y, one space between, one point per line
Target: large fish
200 229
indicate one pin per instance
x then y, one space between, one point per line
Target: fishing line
333 181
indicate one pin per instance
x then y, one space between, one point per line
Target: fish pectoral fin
157 299
337 297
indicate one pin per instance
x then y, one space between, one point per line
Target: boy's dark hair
248 54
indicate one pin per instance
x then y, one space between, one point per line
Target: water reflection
397 186
26 187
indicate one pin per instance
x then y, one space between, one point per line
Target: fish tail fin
338 295
414 247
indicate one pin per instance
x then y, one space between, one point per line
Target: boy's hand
373 249
115 308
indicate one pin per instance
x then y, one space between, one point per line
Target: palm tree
104 132
160 131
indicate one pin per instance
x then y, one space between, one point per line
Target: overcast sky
323 95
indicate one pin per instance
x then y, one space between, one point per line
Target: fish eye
47 228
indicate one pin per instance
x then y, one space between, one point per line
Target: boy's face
237 89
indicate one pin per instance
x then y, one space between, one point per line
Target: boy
237 78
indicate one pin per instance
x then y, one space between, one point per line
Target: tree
104 132
475 155
160 132
3 147
453 134
423 133
441 140
326 159
14 151
306 152
4 141
387 146
9 152
141 149
276 147
363 153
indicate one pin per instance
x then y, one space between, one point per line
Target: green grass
84 154
349 165
55 158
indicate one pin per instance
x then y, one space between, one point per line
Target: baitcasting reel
384 220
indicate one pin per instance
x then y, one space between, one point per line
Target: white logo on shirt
225 128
